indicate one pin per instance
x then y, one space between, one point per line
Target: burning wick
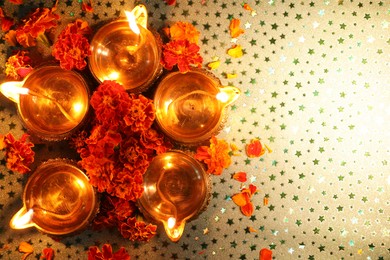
12 91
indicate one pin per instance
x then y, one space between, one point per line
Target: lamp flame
171 222
132 22
12 90
22 219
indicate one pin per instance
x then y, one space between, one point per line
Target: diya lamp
126 51
176 190
191 107
57 200
52 102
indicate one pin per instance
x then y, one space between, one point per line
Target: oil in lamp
52 102
124 50
57 200
191 107
176 190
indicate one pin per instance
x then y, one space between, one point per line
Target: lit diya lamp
57 200
176 190
52 102
190 107
127 52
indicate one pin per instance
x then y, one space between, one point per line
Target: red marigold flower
94 253
181 53
19 155
141 113
216 156
36 24
111 103
5 22
47 253
137 230
100 171
133 155
17 2
151 139
72 47
127 185
113 211
18 65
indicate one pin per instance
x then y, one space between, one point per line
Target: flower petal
235 51
265 254
240 176
254 148
235 29
240 199
214 64
247 209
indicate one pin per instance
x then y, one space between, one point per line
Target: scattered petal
231 76
235 51
265 254
254 148
235 29
47 253
25 248
240 176
247 209
214 65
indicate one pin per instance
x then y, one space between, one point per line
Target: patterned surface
315 86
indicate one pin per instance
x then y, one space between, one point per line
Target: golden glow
114 75
132 22
80 183
78 107
22 219
13 89
171 222
223 97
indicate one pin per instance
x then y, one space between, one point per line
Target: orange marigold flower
137 230
111 103
181 53
19 155
216 156
254 148
141 113
18 65
184 31
48 253
106 253
36 24
240 176
234 28
72 47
